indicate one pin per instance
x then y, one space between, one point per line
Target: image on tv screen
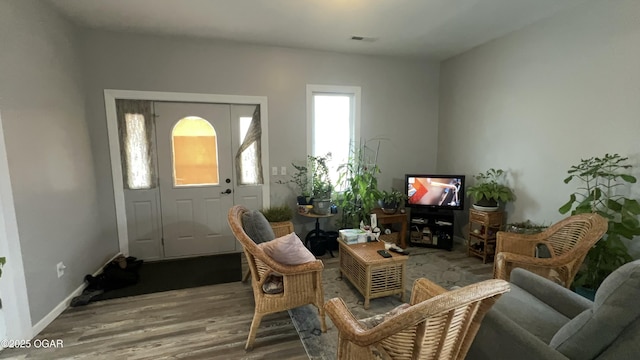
429 191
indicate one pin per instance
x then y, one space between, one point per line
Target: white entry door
194 150
195 177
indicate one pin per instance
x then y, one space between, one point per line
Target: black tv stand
431 228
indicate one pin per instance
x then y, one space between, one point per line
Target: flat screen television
435 192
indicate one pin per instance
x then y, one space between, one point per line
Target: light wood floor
210 322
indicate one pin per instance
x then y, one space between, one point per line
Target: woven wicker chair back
568 240
569 235
282 228
439 324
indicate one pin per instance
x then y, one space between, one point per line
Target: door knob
228 191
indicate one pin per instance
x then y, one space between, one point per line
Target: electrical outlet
274 170
60 269
283 170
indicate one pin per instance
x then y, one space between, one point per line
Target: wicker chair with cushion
555 253
437 324
282 261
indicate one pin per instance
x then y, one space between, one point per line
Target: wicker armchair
567 241
302 283
438 324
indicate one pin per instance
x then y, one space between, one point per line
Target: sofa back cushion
614 309
257 226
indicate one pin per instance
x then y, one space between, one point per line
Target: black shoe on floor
85 298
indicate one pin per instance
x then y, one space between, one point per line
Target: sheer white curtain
135 127
249 155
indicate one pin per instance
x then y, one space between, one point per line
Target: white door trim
110 96
13 286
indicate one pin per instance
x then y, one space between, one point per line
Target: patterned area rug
446 268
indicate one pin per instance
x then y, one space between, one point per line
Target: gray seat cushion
529 312
257 227
614 309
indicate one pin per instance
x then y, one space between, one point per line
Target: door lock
228 191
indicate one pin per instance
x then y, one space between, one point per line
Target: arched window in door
195 152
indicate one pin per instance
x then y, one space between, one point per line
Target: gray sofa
539 319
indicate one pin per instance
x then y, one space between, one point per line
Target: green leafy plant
391 199
490 188
3 260
278 213
359 185
321 186
312 178
600 179
300 178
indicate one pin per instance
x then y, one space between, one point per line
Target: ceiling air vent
363 38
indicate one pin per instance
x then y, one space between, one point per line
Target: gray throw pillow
614 308
257 227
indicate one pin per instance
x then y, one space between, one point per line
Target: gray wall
48 148
51 96
399 97
539 100
533 102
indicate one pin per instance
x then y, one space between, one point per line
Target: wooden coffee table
373 275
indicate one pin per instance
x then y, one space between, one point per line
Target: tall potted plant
489 189
321 186
600 178
359 186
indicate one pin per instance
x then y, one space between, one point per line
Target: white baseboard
53 314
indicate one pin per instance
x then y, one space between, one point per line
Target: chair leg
323 323
255 323
246 275
320 302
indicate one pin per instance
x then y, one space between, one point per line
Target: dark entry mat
180 274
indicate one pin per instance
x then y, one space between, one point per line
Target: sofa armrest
561 299
500 338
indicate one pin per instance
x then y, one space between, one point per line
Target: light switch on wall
283 170
274 170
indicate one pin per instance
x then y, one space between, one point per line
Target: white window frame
353 91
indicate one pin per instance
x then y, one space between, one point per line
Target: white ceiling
435 29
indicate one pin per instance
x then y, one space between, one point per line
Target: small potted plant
278 213
490 189
301 179
389 201
525 227
279 218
